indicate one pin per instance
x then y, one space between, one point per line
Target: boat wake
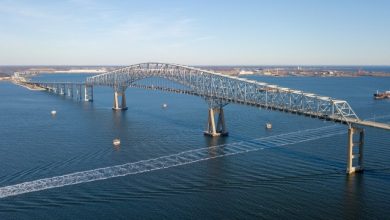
173 160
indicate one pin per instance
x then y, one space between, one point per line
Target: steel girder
225 89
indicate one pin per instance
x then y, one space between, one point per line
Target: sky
195 32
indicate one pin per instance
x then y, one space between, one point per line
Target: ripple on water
304 179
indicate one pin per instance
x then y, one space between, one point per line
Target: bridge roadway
271 107
219 90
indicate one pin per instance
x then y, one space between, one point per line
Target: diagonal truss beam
212 85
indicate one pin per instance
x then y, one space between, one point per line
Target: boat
54 112
382 95
116 141
268 125
164 105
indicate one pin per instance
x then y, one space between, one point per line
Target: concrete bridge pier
69 90
120 92
79 92
218 129
355 150
61 89
88 93
55 89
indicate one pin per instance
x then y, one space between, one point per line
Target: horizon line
298 65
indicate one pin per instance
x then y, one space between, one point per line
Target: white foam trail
182 158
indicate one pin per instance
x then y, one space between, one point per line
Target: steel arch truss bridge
220 89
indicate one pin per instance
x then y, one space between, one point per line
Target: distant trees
4 74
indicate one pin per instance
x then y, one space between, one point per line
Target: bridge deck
309 114
222 89
352 121
373 124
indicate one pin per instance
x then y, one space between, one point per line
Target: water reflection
216 173
117 118
119 127
116 147
215 141
353 205
87 106
216 167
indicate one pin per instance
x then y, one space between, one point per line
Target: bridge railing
231 89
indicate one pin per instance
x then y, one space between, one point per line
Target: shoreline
316 76
344 75
28 87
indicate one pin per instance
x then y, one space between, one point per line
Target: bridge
218 90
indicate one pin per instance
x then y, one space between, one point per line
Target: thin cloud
204 38
151 28
22 11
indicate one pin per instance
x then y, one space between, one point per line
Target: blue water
301 181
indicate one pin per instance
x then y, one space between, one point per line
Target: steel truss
219 89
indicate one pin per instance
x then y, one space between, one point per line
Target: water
173 160
301 180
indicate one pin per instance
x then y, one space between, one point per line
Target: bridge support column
55 88
62 89
122 93
218 129
88 93
70 90
355 157
78 92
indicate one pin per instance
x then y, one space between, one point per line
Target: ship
382 95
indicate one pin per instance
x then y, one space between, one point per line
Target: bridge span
218 90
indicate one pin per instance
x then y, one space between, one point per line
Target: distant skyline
262 32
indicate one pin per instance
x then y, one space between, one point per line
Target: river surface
299 181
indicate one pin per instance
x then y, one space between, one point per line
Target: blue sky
229 32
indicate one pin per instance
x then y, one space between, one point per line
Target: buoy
53 112
164 105
116 141
268 125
